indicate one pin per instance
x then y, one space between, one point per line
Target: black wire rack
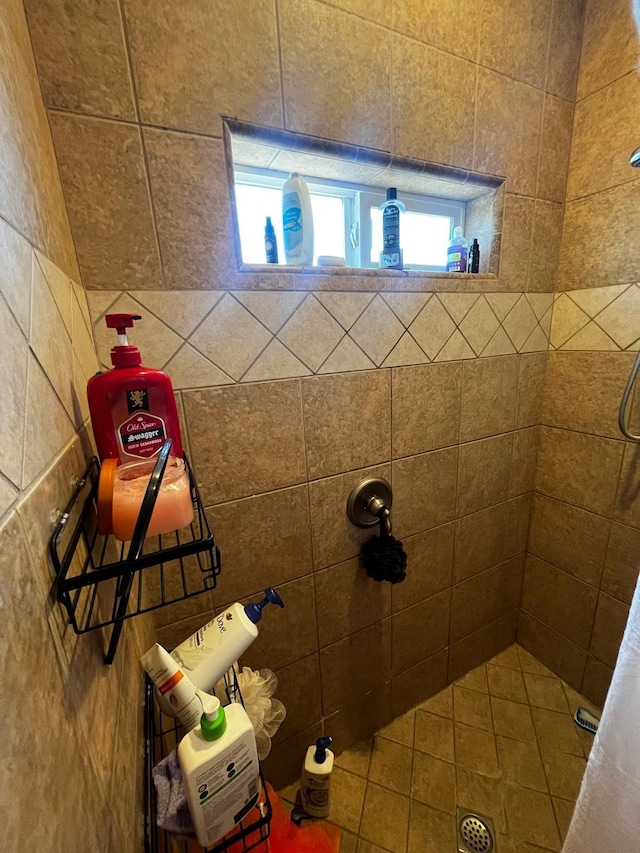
100 585
162 735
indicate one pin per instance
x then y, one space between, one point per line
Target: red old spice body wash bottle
133 410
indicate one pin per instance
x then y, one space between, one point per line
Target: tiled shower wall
400 387
585 529
72 728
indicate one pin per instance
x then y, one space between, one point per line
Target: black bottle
474 257
270 242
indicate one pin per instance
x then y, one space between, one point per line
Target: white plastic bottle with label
176 691
297 221
206 655
315 782
220 770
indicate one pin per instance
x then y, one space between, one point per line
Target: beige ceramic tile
347 799
456 348
515 47
512 720
13 376
509 658
345 669
356 759
520 764
434 782
391 765
591 337
434 735
188 182
406 306
556 732
401 730
385 818
431 23
255 552
420 631
502 100
608 628
531 664
236 441
520 323
314 39
272 309
423 422
592 228
347 421
192 95
483 793
479 325
335 539
430 831
346 357
15 276
472 708
517 532
550 595
430 555
555 147
311 333
594 464
545 692
506 684
564 812
532 817
476 750
609 45
190 369
345 307
428 123
564 49
600 159
564 773
440 704
489 388
530 389
547 232
483 473
84 67
475 680
405 352
102 168
181 313
618 318
620 573
377 330
479 541
516 242
432 327
430 507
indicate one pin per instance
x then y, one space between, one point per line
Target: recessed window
347 221
348 185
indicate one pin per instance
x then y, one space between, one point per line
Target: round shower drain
476 834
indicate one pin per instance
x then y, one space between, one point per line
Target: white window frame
357 201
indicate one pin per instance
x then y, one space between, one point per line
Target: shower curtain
607 814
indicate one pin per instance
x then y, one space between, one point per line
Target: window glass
423 237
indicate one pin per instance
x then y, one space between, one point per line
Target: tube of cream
173 685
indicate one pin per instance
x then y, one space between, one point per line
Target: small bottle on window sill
474 256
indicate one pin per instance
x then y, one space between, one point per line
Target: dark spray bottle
391 254
270 242
474 256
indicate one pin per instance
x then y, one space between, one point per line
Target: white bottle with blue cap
315 782
209 653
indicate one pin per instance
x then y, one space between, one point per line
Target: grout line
280 71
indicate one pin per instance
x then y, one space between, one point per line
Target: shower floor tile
500 741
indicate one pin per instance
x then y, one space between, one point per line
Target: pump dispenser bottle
220 771
133 409
315 782
209 653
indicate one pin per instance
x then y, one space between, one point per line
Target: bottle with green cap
220 770
315 782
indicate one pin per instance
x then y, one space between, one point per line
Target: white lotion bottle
206 655
297 221
220 770
178 693
315 782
